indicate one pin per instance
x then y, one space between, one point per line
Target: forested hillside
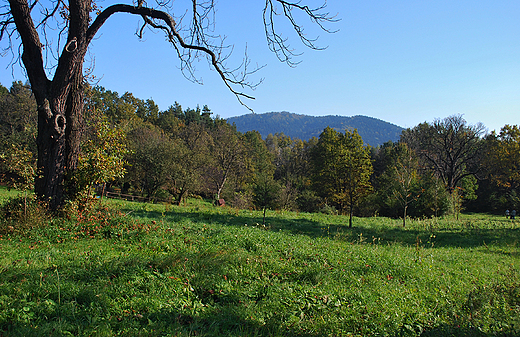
373 131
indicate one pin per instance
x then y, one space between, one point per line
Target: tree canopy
342 168
450 147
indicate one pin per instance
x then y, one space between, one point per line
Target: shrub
308 201
21 214
328 209
242 200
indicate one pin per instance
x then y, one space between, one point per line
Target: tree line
50 40
130 146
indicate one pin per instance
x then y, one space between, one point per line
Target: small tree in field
228 153
404 173
102 158
265 192
341 169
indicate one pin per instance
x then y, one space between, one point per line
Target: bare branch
192 41
277 43
48 15
32 51
190 51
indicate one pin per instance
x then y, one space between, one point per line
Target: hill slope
373 131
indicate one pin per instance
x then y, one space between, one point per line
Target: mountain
373 131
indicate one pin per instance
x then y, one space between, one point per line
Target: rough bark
60 100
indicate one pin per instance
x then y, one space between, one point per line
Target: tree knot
72 45
45 109
59 126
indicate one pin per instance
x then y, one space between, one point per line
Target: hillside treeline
131 147
374 131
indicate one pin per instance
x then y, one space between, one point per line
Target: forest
130 147
374 131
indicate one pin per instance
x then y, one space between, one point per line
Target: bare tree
450 147
228 152
405 177
54 64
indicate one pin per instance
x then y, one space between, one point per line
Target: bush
328 209
19 215
308 201
242 200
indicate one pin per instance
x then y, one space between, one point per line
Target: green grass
198 270
6 194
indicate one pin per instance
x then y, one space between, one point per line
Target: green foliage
226 158
261 160
501 160
435 200
192 157
102 157
179 153
341 169
404 188
122 108
18 167
18 117
265 192
308 201
402 177
17 138
152 155
449 147
466 191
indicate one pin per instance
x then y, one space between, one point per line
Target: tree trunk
220 186
182 193
404 215
51 158
60 101
59 127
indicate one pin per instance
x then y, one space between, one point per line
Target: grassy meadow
135 269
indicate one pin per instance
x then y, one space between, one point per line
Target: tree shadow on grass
452 330
436 238
143 310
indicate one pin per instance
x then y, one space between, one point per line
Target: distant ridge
373 131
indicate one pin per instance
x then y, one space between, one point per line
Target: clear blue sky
404 62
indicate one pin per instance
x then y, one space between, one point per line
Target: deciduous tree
265 192
399 181
502 162
450 147
342 169
403 178
103 157
191 156
56 74
150 162
228 155
17 117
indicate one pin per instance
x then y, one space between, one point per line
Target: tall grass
130 269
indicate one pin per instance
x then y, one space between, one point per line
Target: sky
401 61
